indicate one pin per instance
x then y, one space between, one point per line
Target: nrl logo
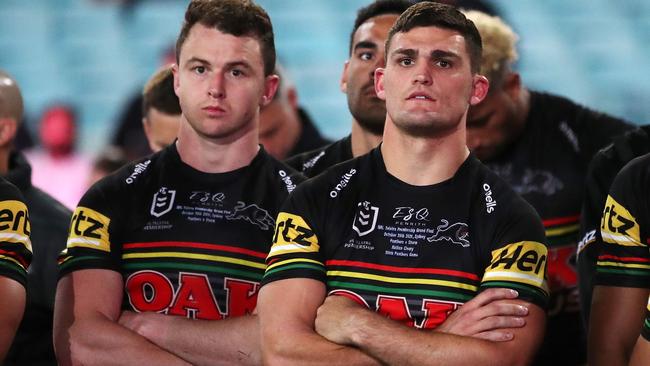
365 219
163 201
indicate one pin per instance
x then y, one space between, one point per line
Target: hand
487 316
333 318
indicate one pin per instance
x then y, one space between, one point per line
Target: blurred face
275 120
492 124
427 83
357 80
161 128
57 130
220 83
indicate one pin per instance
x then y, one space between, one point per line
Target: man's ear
379 83
177 82
271 83
8 129
480 89
343 85
512 85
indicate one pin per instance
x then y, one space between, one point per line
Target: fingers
490 295
496 336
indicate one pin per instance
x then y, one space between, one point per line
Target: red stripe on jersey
624 259
446 272
15 256
561 220
184 244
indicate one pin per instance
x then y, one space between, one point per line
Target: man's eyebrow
198 60
365 44
408 52
437 54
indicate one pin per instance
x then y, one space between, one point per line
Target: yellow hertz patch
618 226
523 262
293 235
14 223
89 229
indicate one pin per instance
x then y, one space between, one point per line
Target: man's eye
236 72
199 69
443 64
366 56
406 62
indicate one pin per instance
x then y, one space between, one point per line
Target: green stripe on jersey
295 266
399 290
196 267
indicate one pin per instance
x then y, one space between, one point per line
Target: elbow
277 351
71 347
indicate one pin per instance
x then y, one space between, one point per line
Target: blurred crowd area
92 57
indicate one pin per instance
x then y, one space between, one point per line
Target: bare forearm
205 342
103 342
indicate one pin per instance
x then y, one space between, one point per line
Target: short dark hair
432 14
159 93
236 17
377 8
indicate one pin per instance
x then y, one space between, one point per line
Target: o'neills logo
490 203
137 170
287 180
345 179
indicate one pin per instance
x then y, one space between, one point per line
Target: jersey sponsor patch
89 229
14 223
619 226
523 262
293 235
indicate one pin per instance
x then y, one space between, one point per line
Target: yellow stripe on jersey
562 230
623 265
293 235
619 226
89 229
523 262
14 223
409 281
294 260
213 258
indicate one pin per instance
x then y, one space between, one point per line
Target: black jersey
624 259
414 253
602 171
186 242
547 167
314 162
15 245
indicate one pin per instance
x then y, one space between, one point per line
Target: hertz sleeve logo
618 226
14 223
89 229
293 235
523 262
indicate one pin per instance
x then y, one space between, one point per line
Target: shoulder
316 161
9 192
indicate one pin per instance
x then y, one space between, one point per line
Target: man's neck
363 140
216 155
423 161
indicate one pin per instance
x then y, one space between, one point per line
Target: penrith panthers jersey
413 253
187 243
15 246
624 259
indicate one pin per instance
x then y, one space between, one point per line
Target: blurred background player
49 227
285 127
541 145
161 111
366 52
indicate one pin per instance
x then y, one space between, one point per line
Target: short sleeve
15 228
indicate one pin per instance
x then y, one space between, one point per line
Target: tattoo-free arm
287 309
12 303
345 322
86 331
617 315
200 342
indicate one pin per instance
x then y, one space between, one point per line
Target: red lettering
149 291
394 308
436 312
195 298
241 295
350 295
561 273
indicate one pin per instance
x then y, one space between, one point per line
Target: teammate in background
178 241
285 127
357 82
16 254
641 352
49 222
541 145
107 162
622 282
600 175
412 230
161 110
